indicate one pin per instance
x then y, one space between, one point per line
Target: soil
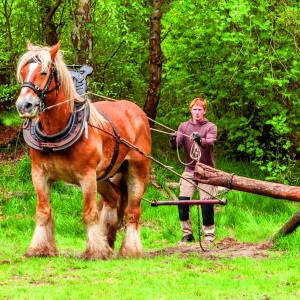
227 248
10 146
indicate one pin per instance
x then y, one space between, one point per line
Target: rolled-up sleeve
211 136
180 135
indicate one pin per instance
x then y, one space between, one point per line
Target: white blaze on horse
79 142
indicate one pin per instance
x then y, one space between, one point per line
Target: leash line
132 146
66 101
199 230
128 144
152 120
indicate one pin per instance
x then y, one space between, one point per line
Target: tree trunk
7 11
81 34
49 27
7 74
155 61
289 227
209 175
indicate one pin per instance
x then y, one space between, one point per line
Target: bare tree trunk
8 75
155 61
7 11
49 27
209 175
289 227
81 34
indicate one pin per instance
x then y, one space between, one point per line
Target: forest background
242 55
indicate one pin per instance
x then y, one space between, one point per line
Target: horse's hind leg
42 243
110 192
136 177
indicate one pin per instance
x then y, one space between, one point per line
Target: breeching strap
116 149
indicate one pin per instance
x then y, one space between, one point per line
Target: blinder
42 93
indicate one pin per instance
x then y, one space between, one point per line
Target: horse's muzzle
27 107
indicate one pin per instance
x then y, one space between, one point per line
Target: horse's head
38 75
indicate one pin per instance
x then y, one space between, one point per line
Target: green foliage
242 55
10 118
244 58
8 95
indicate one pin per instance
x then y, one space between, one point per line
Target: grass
247 217
10 118
159 278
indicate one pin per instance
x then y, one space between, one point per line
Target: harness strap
37 139
116 149
42 93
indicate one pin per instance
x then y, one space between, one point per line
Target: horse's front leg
97 244
43 242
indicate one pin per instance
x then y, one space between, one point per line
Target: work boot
209 237
207 244
209 232
187 239
208 241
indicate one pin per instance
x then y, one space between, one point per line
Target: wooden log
289 227
212 176
155 203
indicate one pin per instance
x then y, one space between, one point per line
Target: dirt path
8 139
227 248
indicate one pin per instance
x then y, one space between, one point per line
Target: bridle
42 93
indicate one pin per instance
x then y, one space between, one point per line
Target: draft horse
74 140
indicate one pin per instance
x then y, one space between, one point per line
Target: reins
195 153
132 146
42 93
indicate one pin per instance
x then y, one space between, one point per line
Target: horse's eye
44 73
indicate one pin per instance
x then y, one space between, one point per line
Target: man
196 130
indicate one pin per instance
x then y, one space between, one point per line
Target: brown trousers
187 190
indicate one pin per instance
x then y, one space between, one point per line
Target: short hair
200 101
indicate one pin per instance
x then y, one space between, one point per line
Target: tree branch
53 10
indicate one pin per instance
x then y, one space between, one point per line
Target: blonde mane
42 56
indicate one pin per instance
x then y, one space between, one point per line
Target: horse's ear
29 46
54 50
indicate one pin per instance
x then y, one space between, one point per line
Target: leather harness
116 148
36 139
78 121
42 93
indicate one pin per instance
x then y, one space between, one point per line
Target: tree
49 26
153 93
6 12
82 38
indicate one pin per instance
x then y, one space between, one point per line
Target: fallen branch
289 227
209 175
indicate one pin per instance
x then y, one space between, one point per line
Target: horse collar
36 139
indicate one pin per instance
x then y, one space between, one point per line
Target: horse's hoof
41 252
96 255
130 253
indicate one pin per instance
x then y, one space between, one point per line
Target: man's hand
173 137
172 140
197 137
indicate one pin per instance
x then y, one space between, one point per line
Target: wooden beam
212 176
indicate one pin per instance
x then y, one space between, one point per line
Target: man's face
197 112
